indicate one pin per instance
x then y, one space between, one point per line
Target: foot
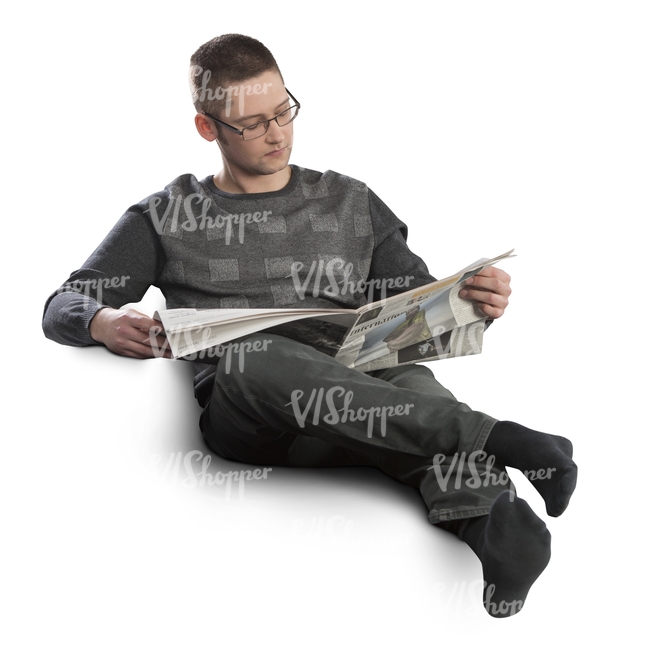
514 547
546 460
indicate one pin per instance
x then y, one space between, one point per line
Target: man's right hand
130 333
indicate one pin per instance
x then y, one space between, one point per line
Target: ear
206 127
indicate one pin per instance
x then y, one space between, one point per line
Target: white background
484 126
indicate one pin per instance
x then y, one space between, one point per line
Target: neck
241 183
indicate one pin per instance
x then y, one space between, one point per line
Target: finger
147 351
484 281
133 349
156 335
493 284
485 297
157 341
131 342
490 310
159 346
144 322
494 272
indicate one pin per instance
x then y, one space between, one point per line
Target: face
260 98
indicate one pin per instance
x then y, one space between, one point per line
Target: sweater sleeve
394 268
122 268
392 258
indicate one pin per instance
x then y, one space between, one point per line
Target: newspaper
423 324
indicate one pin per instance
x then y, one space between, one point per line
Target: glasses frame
267 122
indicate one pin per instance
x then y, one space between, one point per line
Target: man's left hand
490 289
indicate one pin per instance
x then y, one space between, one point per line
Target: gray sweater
325 240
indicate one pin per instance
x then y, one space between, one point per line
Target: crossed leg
292 405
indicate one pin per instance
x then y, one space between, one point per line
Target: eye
255 129
287 116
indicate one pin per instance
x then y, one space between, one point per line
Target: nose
276 133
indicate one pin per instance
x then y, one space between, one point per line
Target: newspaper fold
423 324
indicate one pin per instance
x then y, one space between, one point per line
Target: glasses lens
255 131
259 129
287 116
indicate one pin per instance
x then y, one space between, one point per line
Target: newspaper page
192 330
422 324
428 323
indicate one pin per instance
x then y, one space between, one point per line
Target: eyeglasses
258 130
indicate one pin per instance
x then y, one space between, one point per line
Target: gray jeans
278 402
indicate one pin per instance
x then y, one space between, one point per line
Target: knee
249 358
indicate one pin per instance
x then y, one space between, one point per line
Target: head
223 64
235 79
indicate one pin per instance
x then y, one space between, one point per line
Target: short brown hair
226 59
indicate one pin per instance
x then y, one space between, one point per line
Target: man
250 237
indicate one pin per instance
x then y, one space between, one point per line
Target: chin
274 166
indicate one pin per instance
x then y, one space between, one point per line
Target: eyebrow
248 117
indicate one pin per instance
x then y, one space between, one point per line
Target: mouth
277 152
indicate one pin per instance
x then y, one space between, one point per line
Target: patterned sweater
323 241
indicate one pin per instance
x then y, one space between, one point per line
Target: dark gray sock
514 547
545 459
